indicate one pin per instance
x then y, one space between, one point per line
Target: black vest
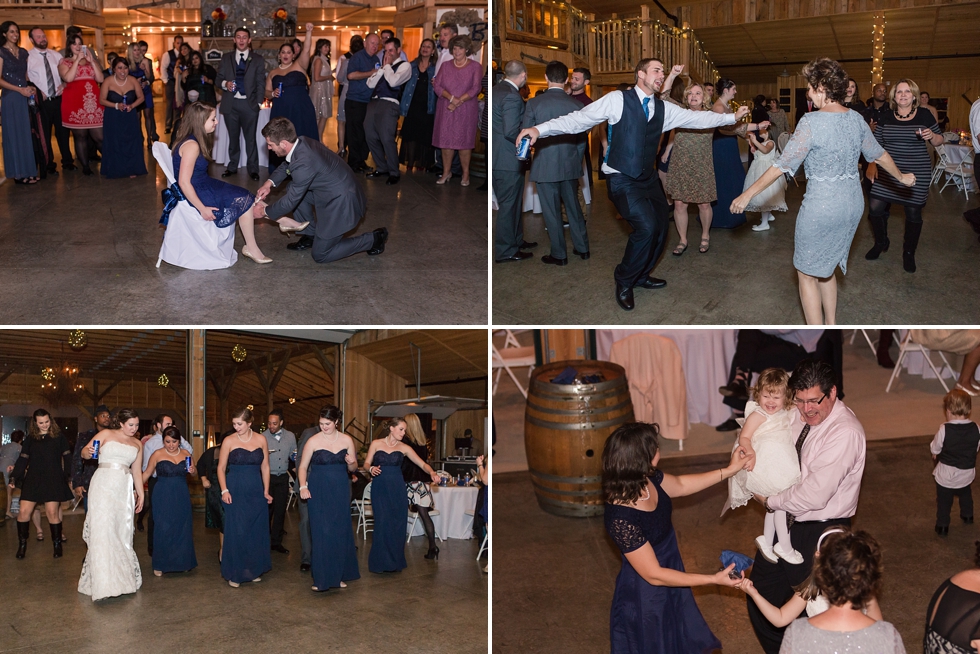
634 140
960 446
172 63
385 90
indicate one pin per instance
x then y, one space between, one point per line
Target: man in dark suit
241 75
804 108
323 191
508 171
557 165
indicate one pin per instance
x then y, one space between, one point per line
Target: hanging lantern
47 374
76 339
249 407
292 400
163 380
238 353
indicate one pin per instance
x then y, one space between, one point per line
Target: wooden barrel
565 429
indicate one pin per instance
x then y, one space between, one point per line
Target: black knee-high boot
879 226
23 533
912 232
56 537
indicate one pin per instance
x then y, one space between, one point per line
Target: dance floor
77 249
747 277
428 607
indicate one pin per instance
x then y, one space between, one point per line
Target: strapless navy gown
173 535
122 144
246 553
294 104
390 504
231 201
729 180
648 619
334 555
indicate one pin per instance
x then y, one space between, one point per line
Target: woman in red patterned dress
80 108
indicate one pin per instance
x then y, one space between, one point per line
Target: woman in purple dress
457 111
653 608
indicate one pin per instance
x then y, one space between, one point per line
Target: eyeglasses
804 403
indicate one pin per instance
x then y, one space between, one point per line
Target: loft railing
554 25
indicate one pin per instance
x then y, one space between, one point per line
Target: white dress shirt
37 74
805 338
395 78
831 465
609 108
156 443
164 65
948 476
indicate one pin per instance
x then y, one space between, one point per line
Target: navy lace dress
246 554
122 144
390 514
334 555
645 618
294 104
173 535
231 201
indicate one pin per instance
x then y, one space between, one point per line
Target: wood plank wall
367 380
23 389
734 12
475 420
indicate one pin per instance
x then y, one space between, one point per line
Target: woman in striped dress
903 133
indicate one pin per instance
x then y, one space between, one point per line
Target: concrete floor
77 249
432 606
554 577
747 277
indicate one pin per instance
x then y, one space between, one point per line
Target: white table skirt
531 201
451 502
707 355
957 153
221 141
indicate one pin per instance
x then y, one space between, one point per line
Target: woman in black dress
417 481
44 468
199 77
214 508
419 107
903 133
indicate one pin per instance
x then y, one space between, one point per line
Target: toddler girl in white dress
766 433
773 198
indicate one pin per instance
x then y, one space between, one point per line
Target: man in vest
637 118
954 451
381 120
167 63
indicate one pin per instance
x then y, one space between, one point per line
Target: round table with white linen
452 502
221 141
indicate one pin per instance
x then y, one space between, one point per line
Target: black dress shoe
86 171
528 245
304 243
280 549
651 282
518 256
69 167
585 255
304 567
729 425
229 173
376 174
942 531
624 297
393 179
380 238
254 176
736 390
554 260
434 170
52 170
968 521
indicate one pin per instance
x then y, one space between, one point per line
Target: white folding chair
961 175
512 355
942 162
365 514
483 545
413 518
293 496
908 346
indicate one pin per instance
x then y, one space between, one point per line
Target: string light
878 48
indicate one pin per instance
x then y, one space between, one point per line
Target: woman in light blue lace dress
828 142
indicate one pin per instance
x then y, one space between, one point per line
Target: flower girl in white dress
773 198
766 433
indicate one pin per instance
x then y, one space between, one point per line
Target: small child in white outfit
766 433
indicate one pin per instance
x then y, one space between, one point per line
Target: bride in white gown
111 567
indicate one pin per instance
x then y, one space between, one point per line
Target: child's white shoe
761 227
788 554
767 551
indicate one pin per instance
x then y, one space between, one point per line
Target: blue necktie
646 107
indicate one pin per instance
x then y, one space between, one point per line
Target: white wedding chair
512 355
365 513
908 346
413 519
942 163
190 241
961 175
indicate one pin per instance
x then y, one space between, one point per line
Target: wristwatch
766 504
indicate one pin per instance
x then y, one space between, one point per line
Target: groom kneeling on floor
323 191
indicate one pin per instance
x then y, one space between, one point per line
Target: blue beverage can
95 446
292 456
524 149
280 89
187 461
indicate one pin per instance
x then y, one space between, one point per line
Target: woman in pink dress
457 111
80 108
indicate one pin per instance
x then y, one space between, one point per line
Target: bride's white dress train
111 567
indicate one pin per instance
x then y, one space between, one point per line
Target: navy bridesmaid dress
390 504
247 551
729 180
334 555
646 618
294 104
122 143
173 535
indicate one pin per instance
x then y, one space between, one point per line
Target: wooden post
270 379
646 31
196 390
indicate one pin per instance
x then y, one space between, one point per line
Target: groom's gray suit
325 192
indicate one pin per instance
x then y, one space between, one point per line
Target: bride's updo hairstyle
627 461
828 75
192 124
172 432
122 417
773 380
334 415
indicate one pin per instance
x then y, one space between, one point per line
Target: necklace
118 83
245 440
335 435
904 116
647 495
457 65
284 67
391 445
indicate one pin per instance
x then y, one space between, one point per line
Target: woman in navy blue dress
122 136
289 88
653 608
223 203
173 535
327 459
243 473
388 499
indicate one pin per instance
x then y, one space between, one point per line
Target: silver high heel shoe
289 230
248 254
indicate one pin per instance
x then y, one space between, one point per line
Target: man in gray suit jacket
241 75
508 171
556 167
323 191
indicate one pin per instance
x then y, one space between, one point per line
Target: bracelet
721 475
225 491
451 98
117 106
304 488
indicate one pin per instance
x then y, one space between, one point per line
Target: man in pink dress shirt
831 446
